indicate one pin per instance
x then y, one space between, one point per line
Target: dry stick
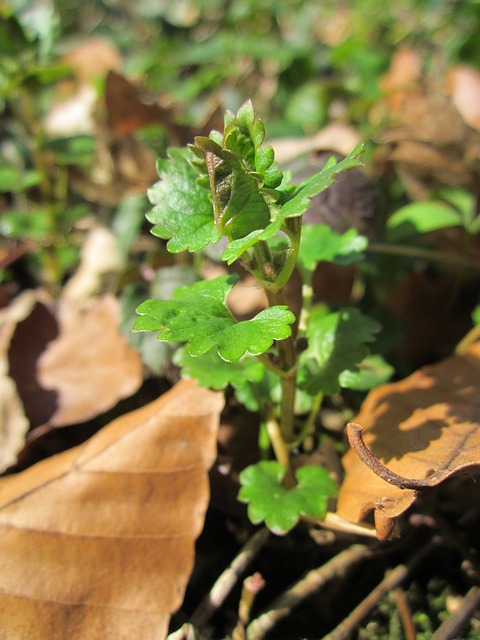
450 628
354 434
228 579
313 580
392 579
405 614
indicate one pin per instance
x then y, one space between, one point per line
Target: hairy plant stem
286 351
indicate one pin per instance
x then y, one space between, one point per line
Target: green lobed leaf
369 373
421 217
197 314
281 508
336 343
183 214
317 183
321 243
212 371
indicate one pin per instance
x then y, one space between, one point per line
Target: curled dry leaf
425 426
90 365
27 325
98 542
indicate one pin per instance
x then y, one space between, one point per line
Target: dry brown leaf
463 84
98 542
338 137
428 423
90 365
425 136
100 261
27 325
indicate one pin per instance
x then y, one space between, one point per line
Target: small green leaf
369 373
476 315
336 342
212 371
268 500
236 248
317 183
15 180
320 243
264 158
197 314
421 217
183 214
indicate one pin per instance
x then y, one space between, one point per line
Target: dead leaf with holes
98 541
424 428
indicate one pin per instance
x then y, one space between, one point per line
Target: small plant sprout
228 186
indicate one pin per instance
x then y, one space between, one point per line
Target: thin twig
311 582
228 579
449 629
392 579
423 253
354 434
405 614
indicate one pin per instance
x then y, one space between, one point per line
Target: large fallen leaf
426 426
90 365
27 325
98 542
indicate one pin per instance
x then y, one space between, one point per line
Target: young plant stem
423 253
276 438
466 342
286 351
307 298
309 426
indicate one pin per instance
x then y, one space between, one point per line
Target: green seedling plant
228 186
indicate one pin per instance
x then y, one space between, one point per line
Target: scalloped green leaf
212 371
371 372
317 183
281 508
183 212
321 243
197 314
336 343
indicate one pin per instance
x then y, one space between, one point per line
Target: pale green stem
278 443
268 364
309 426
472 336
286 350
424 254
307 298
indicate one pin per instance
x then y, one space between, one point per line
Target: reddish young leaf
98 542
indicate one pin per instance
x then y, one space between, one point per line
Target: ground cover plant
297 455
